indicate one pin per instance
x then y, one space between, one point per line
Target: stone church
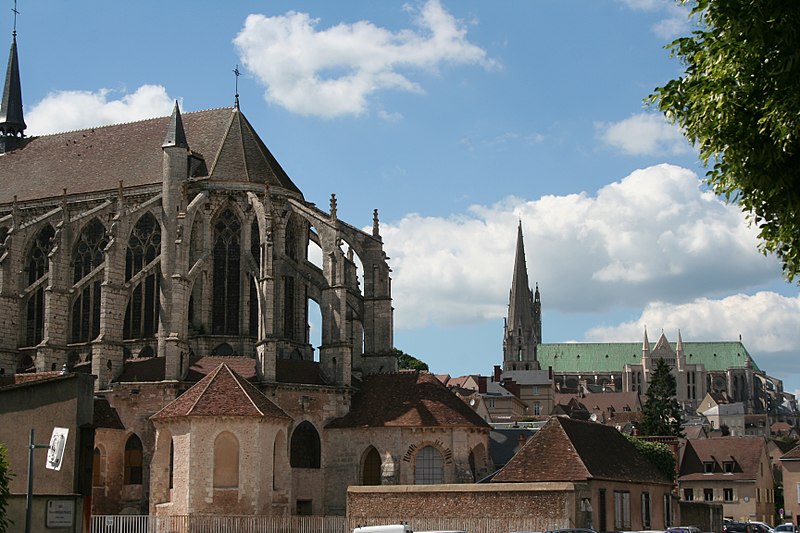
170 259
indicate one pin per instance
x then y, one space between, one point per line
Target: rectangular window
708 495
537 409
667 510
535 390
622 510
646 510
688 495
727 495
602 510
708 467
728 467
798 493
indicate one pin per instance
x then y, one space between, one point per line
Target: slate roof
745 452
294 371
223 392
145 369
96 159
407 400
199 367
505 442
573 450
585 357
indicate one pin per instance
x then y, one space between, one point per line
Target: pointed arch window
87 256
144 246
37 266
429 467
305 447
371 470
255 251
133 461
227 274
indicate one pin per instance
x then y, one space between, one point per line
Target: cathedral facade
170 256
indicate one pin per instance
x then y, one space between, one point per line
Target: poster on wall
56 452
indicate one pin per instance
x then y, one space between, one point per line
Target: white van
393 528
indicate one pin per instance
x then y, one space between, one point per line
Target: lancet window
144 245
37 265
227 274
87 256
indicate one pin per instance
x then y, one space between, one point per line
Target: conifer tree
661 413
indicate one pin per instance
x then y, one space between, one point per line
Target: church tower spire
523 325
12 123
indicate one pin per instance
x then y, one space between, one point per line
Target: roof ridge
211 377
239 382
127 123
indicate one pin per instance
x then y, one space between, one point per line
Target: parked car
762 524
683 529
746 527
572 530
788 527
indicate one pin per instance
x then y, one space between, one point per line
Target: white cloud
655 235
769 324
72 110
333 72
644 134
676 18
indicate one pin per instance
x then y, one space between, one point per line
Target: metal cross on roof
236 73
14 9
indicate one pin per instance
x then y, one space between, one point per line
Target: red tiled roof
407 400
572 450
221 393
199 367
745 452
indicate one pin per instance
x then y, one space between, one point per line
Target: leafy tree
738 102
5 478
409 362
661 414
657 453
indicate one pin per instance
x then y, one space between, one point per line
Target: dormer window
727 467
708 467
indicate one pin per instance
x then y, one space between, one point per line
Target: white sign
60 513
56 452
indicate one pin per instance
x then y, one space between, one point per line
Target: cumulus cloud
644 134
72 110
768 323
655 235
675 19
332 72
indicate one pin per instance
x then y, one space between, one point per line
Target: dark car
743 527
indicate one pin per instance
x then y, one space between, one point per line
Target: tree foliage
5 493
661 414
738 102
657 453
409 362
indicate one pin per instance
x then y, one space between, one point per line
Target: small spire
12 122
176 136
333 206
376 227
645 342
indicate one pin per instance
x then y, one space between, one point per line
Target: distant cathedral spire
523 325
12 123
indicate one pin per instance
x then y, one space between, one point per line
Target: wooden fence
304 524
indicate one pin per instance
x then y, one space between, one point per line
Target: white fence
304 524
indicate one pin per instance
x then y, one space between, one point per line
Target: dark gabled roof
106 416
745 452
145 369
223 392
505 442
407 399
296 371
96 159
792 455
572 450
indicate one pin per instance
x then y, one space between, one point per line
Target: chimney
482 384
550 373
496 377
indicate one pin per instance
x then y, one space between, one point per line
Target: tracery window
144 245
305 447
38 264
87 256
227 274
133 461
429 467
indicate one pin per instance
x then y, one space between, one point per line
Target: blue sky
456 120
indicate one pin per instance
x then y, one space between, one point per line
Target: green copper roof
575 357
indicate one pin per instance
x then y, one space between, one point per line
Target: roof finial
14 9
236 74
